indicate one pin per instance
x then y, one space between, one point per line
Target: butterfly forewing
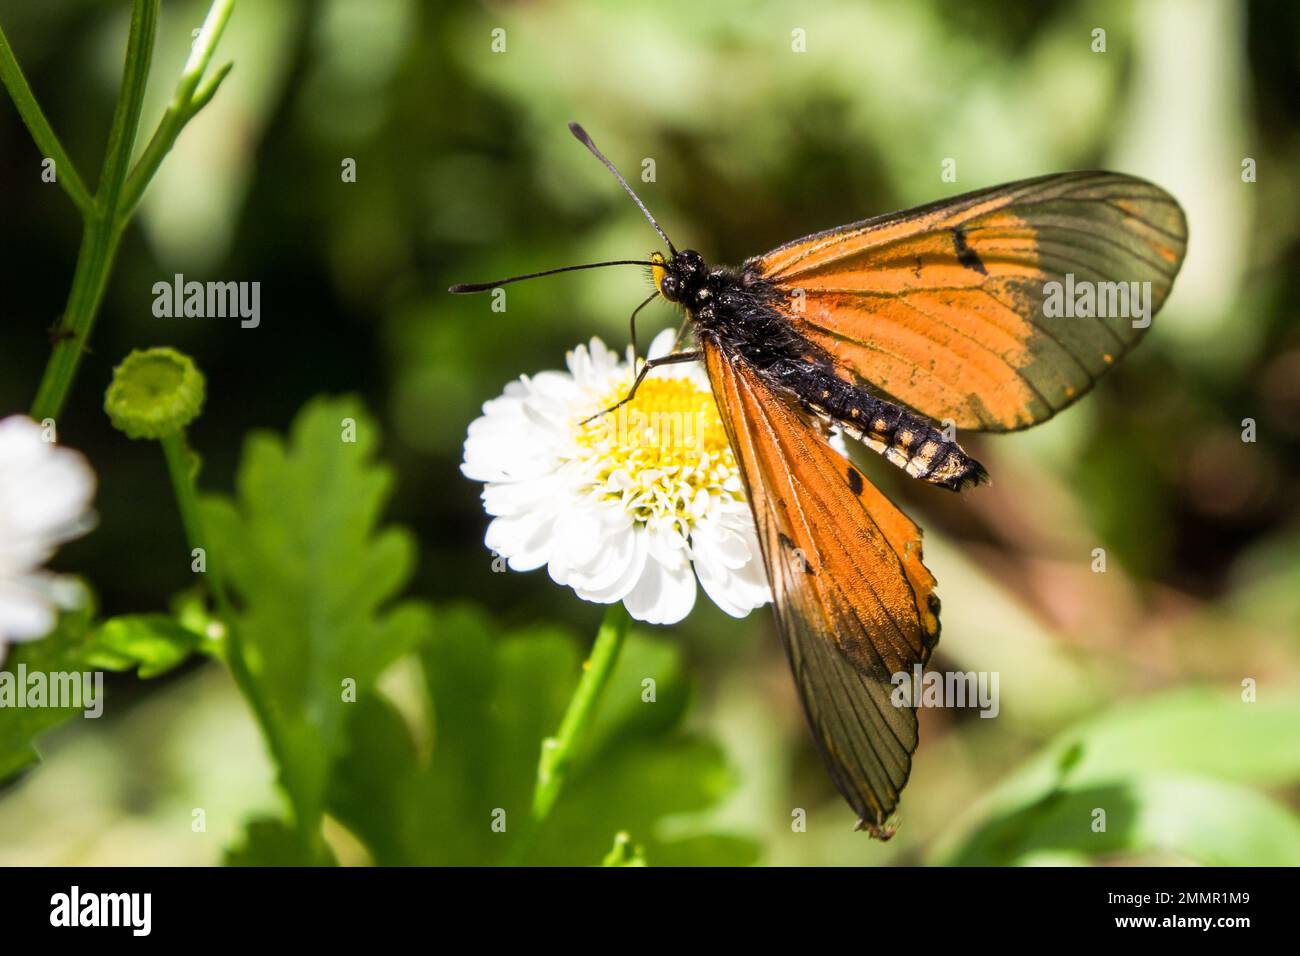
948 309
854 603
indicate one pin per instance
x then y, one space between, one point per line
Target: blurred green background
1119 689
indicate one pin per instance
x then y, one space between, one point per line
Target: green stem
559 752
180 468
109 212
42 133
103 232
99 242
187 100
130 101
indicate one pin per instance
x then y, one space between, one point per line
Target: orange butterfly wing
942 308
854 603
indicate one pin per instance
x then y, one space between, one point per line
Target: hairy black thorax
738 311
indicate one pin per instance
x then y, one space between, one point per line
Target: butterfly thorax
738 312
735 311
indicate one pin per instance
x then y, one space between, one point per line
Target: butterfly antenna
463 287
581 136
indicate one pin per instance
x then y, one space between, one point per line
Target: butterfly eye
670 287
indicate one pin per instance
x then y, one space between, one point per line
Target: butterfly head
681 278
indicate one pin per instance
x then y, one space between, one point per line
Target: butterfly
990 311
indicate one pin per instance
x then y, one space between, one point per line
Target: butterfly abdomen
904 438
737 313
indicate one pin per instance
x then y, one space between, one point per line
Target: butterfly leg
675 358
632 322
681 332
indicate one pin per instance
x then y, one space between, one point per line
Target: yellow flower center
657 452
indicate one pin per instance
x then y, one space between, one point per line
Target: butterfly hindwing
854 603
947 308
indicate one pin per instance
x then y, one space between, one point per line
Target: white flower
45 496
632 506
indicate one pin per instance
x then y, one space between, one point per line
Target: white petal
25 613
662 596
661 344
667 546
524 540
577 538
45 497
626 563
737 587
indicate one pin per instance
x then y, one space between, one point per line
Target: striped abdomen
901 436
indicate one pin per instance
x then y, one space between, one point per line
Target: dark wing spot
965 254
855 481
932 640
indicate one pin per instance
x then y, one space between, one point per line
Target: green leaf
155 643
59 652
269 842
652 669
491 701
1208 821
1171 774
314 579
624 853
